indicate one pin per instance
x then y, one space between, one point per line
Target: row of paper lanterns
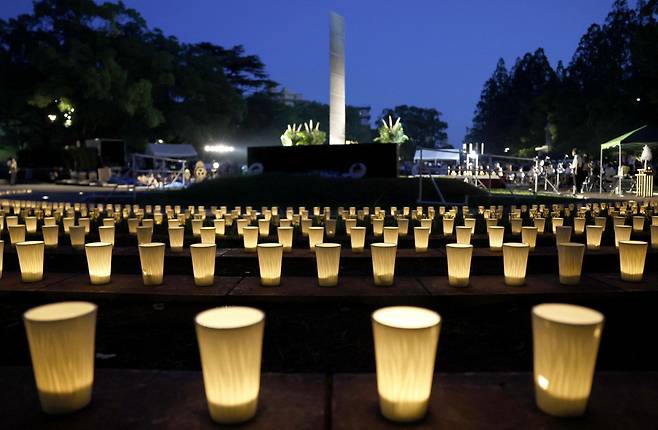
566 338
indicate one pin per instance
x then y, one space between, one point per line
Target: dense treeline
609 87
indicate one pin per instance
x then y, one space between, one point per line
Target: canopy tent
633 140
172 150
437 154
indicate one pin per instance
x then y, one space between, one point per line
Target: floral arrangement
391 132
303 134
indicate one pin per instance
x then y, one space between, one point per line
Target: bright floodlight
219 148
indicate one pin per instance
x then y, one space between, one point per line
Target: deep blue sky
429 53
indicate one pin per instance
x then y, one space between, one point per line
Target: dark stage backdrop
378 159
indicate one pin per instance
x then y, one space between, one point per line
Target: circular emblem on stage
357 171
200 171
255 169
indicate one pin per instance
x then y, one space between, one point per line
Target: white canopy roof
171 150
437 154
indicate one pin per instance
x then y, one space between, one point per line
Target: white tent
437 155
172 150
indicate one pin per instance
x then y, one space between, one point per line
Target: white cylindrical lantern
49 220
250 238
556 222
270 256
654 236
132 225
284 235
196 227
458 257
403 226
515 262
106 234
327 257
406 340
565 345
421 238
305 224
99 262
315 236
151 256
86 224
203 263
515 225
383 263
61 337
562 234
470 223
349 223
176 238
66 223
579 225
496 235
570 261
207 235
144 234
426 222
463 234
264 227
377 226
240 225
391 234
30 260
540 223
638 223
50 235
108 222
220 227
230 344
16 233
31 224
448 226
77 236
622 232
330 228
632 255
358 239
593 234
529 236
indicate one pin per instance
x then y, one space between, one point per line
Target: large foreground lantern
459 263
383 263
270 257
327 257
565 345
151 256
515 262
230 344
406 340
61 338
570 261
632 255
30 260
99 262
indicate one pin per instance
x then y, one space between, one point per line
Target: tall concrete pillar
336 79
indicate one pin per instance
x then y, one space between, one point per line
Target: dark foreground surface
175 400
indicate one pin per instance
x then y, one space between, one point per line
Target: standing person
13 170
577 170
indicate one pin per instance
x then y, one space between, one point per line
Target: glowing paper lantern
77 236
529 236
593 234
250 238
377 226
50 235
654 236
108 222
31 224
618 220
207 235
327 257
426 222
565 345
132 225
151 256
305 224
30 260
383 263
203 263
515 225
562 234
66 223
264 227
106 234
515 262
230 344
406 340
579 225
358 239
496 235
330 227
220 227
570 261
638 223
349 224
85 223
600 221
391 235
284 235
270 256
459 263
403 226
463 234
144 234
196 227
556 222
61 338
11 220
470 223
448 226
241 224
622 232
632 255
99 262
540 223
315 236
491 222
176 238
421 238
654 220
16 233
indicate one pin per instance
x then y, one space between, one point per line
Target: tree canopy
610 86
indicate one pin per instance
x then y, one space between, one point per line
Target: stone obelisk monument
336 79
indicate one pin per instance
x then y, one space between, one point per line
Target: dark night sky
430 53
